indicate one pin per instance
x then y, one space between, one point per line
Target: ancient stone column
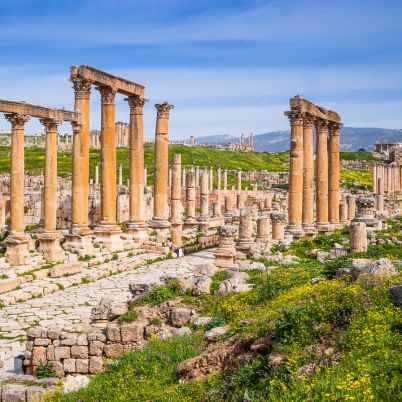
358 237
351 201
268 202
226 251
211 179
229 205
239 180
295 174
225 180
145 175
278 220
97 174
380 195
239 201
343 212
170 178
245 231
204 201
160 219
374 179
183 177
80 171
334 166
108 232
322 176
17 242
190 198
49 239
2 213
120 175
262 229
308 176
136 226
197 176
216 209
176 202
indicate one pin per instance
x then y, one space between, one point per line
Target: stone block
180 316
69 365
95 364
33 393
113 333
113 350
58 368
54 333
68 339
61 352
42 342
132 332
61 270
13 393
79 352
82 366
82 340
50 352
39 355
96 348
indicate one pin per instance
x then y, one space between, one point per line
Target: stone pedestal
49 245
366 213
295 192
278 220
226 251
268 203
109 235
263 229
216 209
246 240
358 237
17 249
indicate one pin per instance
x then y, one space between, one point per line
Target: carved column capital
17 120
82 87
107 94
163 110
50 124
136 104
295 118
334 128
321 125
308 120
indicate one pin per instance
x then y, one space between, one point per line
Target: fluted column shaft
322 172
308 172
17 172
161 163
80 170
333 173
50 195
108 157
176 188
190 196
296 171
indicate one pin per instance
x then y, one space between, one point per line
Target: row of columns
301 176
390 176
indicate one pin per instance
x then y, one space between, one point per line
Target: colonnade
303 117
390 177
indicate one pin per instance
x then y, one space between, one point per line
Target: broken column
358 237
351 201
245 231
278 220
262 229
190 198
226 251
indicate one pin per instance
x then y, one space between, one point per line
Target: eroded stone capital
278 217
107 94
308 120
227 231
17 120
82 87
334 128
136 104
295 118
321 125
50 124
163 110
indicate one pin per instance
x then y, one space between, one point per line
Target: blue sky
227 66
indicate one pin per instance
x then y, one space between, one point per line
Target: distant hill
352 138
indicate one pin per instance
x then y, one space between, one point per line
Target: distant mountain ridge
352 138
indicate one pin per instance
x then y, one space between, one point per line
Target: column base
324 227
203 225
336 225
137 230
160 225
309 230
244 245
224 258
109 235
49 245
262 239
190 223
17 249
175 234
296 230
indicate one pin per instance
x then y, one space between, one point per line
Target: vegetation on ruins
335 340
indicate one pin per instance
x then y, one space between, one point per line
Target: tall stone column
190 198
136 225
308 176
204 201
380 195
322 176
49 239
374 179
211 179
351 201
17 241
176 202
197 176
239 180
183 176
80 171
225 180
334 166
296 174
160 219
96 174
107 232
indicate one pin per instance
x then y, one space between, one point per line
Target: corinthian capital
295 118
163 110
107 94
82 87
334 128
50 124
17 120
136 103
308 120
321 125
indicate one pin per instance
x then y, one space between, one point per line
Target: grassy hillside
336 340
191 156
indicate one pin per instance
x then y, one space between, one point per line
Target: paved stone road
73 305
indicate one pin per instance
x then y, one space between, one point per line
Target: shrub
129 316
45 371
